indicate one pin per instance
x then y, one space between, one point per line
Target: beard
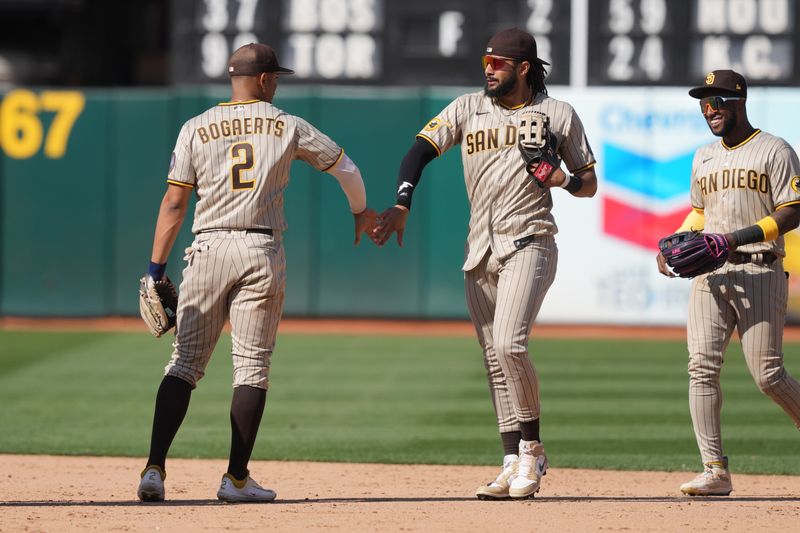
727 126
502 89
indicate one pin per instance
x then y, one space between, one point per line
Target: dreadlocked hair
535 78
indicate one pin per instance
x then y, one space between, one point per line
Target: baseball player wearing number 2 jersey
511 254
746 188
236 156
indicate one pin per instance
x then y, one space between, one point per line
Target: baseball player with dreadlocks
513 137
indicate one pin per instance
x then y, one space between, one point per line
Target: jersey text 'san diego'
505 203
738 186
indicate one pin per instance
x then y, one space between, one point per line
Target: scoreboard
427 42
385 42
676 42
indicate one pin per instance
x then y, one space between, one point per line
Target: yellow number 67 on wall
21 129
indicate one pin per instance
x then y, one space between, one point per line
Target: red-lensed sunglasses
716 102
497 63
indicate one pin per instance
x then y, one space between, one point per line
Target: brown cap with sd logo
721 83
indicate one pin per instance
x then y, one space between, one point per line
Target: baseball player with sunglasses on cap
745 195
513 137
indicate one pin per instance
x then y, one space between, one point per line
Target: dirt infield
362 327
347 326
45 493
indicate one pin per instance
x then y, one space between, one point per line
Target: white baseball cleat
532 466
233 490
714 481
151 488
498 489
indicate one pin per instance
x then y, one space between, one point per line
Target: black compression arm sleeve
421 153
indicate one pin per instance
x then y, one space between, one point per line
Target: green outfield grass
606 404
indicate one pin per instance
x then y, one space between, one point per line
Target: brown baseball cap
721 83
253 59
514 43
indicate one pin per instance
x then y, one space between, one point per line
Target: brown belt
762 258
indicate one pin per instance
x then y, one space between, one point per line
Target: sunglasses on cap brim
716 102
497 63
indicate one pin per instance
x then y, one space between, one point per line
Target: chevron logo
657 179
646 177
637 226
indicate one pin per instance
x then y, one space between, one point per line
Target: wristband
567 179
156 270
748 235
404 193
765 229
573 184
770 228
405 201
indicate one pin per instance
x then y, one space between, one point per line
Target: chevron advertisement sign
647 164
644 140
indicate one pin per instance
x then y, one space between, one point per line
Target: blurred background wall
93 94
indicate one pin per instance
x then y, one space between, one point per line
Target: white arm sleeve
349 177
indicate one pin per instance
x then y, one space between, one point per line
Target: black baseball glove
539 147
690 254
158 304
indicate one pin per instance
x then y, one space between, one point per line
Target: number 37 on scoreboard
23 131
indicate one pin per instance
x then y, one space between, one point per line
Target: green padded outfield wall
82 174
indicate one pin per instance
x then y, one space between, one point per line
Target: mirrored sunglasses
498 63
716 102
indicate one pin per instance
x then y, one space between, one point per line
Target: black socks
172 401
247 407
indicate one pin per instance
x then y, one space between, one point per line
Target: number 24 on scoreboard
21 129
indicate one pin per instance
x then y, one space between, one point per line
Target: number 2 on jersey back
242 156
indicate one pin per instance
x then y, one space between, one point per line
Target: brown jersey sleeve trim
341 154
794 202
584 167
181 184
435 146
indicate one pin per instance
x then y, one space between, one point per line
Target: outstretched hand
365 223
393 220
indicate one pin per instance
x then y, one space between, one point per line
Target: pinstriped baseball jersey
238 157
736 186
505 283
505 203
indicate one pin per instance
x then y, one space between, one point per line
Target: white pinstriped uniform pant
236 275
751 297
504 298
